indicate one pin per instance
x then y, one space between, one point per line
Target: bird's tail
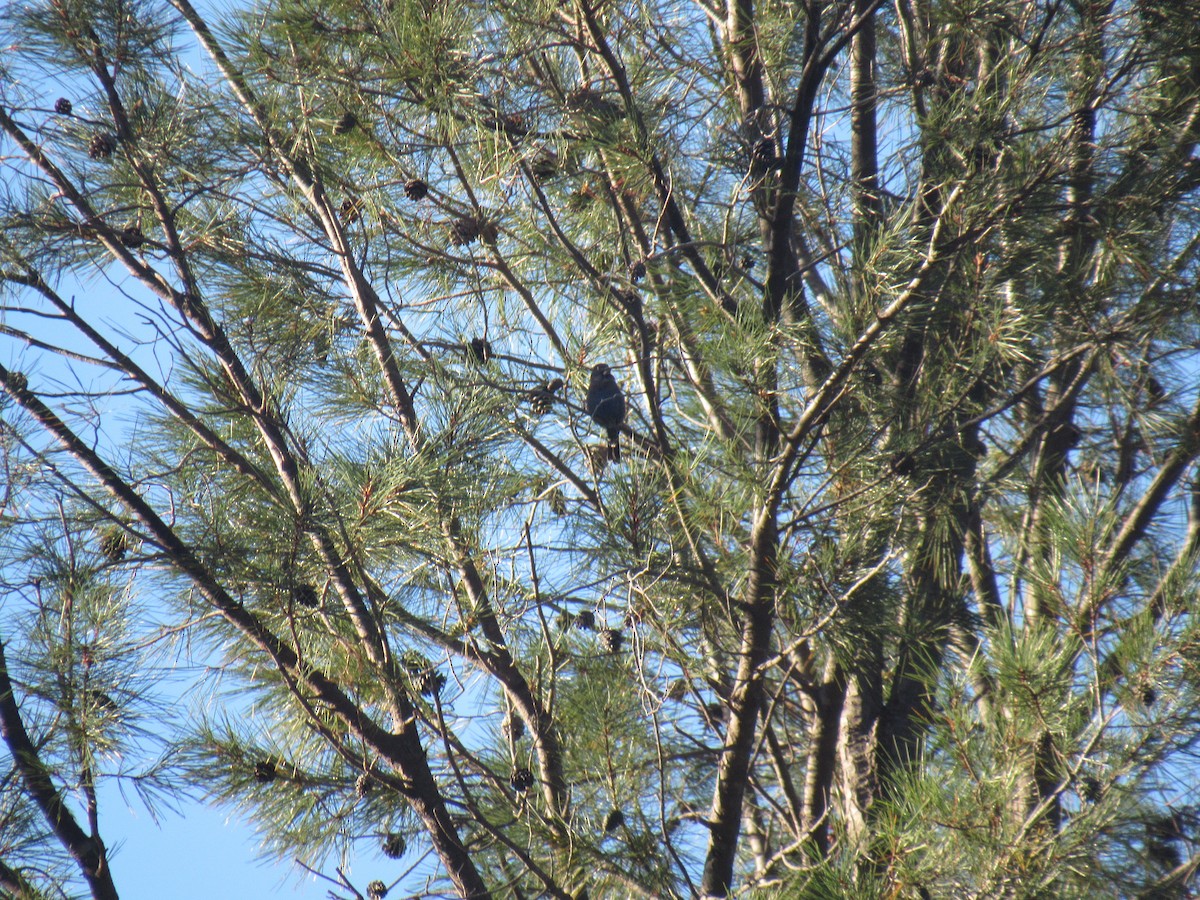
614 445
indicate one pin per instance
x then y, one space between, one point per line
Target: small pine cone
393 845
614 820
100 702
306 595
637 271
18 381
114 543
597 457
416 189
431 682
132 237
1149 696
586 101
544 165
514 124
677 689
521 780
479 350
747 262
264 771
581 199
542 398
1155 391
464 230
321 346
350 207
1070 432
363 785
514 726
653 332
763 157
62 106
102 146
611 640
347 123
586 620
902 463
376 890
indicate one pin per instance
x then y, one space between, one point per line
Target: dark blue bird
606 405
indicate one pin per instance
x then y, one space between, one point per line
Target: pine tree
893 591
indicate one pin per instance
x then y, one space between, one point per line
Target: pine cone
479 350
431 682
586 101
521 780
763 158
586 620
376 890
1155 391
542 398
306 595
614 820
581 199
350 208
100 702
363 785
415 663
18 380
611 640
514 726
132 237
464 230
545 165
597 457
114 543
637 271
514 124
902 463
416 189
62 106
102 146
393 845
264 771
348 122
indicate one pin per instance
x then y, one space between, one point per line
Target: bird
606 405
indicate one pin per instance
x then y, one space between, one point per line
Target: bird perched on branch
606 405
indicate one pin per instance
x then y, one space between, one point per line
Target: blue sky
203 852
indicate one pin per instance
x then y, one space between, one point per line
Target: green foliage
892 593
